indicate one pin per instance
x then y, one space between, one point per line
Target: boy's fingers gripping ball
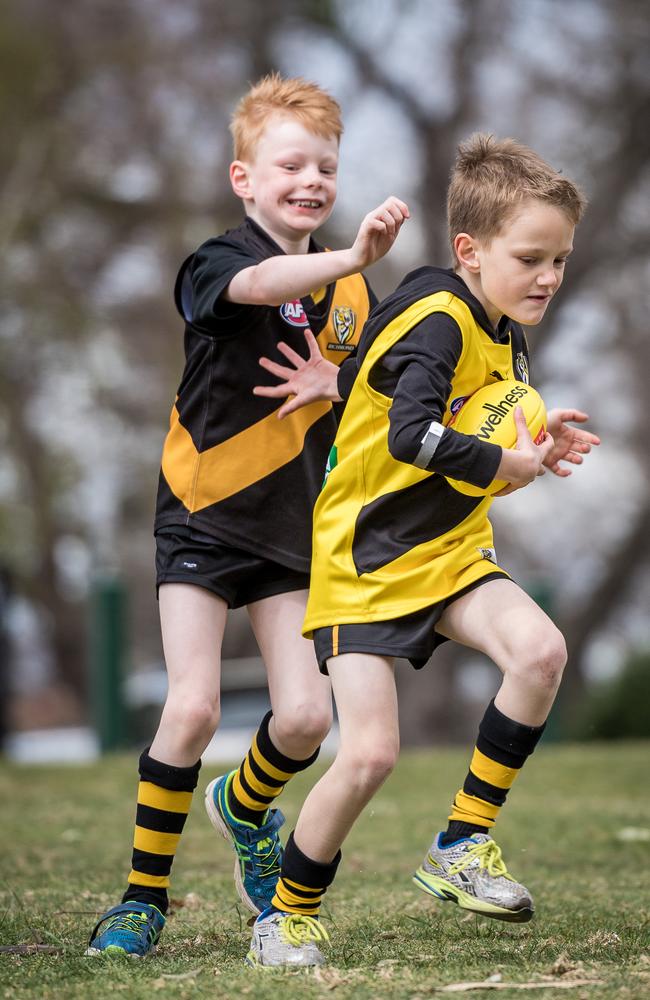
488 414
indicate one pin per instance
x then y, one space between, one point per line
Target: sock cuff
174 779
457 829
513 739
297 867
144 894
271 753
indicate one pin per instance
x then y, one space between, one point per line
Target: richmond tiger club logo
521 367
344 321
294 314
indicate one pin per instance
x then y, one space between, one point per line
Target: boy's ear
466 252
240 179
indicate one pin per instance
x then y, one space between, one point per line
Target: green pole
108 648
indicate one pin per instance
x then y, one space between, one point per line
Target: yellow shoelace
297 929
267 857
489 856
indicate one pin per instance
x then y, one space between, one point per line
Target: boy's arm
417 372
292 276
425 362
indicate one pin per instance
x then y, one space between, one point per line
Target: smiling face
289 184
517 272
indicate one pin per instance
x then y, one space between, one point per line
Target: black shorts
184 555
412 637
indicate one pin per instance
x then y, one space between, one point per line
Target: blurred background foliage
113 167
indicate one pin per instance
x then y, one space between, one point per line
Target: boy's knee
368 770
195 716
303 725
554 656
544 659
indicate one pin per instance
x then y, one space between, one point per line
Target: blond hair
273 94
490 179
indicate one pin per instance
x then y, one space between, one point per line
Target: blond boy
236 491
403 561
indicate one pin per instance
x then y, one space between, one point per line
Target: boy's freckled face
522 267
292 180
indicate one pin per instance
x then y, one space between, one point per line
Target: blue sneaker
258 848
131 929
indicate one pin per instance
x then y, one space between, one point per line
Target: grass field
573 832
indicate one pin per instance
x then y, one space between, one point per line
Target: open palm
309 379
570 443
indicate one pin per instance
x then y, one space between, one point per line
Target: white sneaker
286 939
472 873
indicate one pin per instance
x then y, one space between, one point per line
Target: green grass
65 851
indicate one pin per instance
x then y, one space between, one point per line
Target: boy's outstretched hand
562 443
378 231
570 443
309 379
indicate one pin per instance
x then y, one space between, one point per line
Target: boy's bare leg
364 688
502 621
301 697
192 621
366 702
286 742
463 863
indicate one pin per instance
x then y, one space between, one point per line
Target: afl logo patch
294 314
456 404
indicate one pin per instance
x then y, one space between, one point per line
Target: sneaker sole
114 951
440 889
222 827
253 962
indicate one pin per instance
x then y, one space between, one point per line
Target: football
489 415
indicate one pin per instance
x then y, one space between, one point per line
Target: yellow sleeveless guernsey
390 538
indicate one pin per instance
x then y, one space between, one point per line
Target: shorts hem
272 590
417 657
278 587
194 582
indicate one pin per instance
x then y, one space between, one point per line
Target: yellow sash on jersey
202 478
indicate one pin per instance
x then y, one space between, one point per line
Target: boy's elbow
263 294
254 288
264 285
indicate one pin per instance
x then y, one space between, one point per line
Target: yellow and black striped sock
164 799
501 750
261 777
303 882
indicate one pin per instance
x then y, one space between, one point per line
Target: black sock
261 777
164 798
